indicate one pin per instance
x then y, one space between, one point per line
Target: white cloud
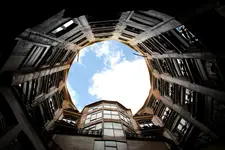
126 82
73 93
102 49
105 50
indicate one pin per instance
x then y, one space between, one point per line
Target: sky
109 71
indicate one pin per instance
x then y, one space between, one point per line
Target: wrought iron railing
62 127
148 133
82 131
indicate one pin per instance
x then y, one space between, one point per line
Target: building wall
87 143
145 145
67 142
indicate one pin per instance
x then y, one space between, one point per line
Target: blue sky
108 70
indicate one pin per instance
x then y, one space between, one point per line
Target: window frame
113 129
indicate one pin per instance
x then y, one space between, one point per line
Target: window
155 105
188 96
170 89
125 118
121 109
127 35
110 145
66 27
166 114
110 106
145 19
146 124
181 128
74 36
94 108
93 117
122 39
69 121
112 125
111 114
133 29
213 71
187 34
34 57
182 67
80 41
113 129
164 65
94 127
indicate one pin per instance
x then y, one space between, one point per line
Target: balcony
61 127
95 133
152 133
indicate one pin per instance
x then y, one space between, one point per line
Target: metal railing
82 131
147 133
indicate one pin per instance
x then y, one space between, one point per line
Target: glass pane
90 128
121 146
115 117
57 30
99 115
126 119
108 125
94 107
68 23
114 112
118 132
106 106
110 143
121 117
88 116
182 121
179 127
107 112
113 105
110 148
93 117
117 126
107 116
87 121
100 106
96 120
98 126
99 145
108 132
